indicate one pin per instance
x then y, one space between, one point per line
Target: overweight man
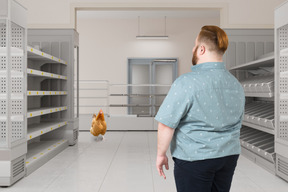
200 119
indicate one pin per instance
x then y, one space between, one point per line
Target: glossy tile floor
125 162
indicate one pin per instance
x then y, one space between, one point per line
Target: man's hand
160 162
165 135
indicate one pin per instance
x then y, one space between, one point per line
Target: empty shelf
42 93
263 62
271 94
259 86
258 142
35 54
38 129
260 115
41 152
259 127
43 111
33 72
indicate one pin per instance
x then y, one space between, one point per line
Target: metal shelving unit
281 88
257 133
54 60
37 95
13 122
47 102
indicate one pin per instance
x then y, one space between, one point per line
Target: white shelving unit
281 88
57 52
47 103
13 101
264 135
257 133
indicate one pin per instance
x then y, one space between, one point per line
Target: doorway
150 80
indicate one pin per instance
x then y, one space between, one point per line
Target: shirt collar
208 65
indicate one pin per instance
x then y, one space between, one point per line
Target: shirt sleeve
176 104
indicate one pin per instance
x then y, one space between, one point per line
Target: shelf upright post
13 101
281 89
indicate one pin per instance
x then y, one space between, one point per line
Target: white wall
105 45
234 13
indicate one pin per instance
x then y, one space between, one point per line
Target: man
201 117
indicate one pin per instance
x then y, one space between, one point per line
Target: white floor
125 162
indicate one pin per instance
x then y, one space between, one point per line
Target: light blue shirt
205 107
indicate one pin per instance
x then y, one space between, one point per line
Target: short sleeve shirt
205 107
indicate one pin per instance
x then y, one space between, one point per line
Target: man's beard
195 58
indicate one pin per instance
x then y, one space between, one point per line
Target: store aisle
125 162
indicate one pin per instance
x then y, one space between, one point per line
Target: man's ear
202 49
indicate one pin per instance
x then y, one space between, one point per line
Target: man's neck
210 59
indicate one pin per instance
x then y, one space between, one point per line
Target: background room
108 39
62 62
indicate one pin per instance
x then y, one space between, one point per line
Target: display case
13 77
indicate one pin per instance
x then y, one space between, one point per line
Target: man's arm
165 135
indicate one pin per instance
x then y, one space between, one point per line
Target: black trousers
210 175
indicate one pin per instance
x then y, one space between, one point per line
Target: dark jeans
210 175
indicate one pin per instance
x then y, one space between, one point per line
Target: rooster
98 124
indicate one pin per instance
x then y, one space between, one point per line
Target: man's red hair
214 37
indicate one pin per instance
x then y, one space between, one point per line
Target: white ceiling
193 13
